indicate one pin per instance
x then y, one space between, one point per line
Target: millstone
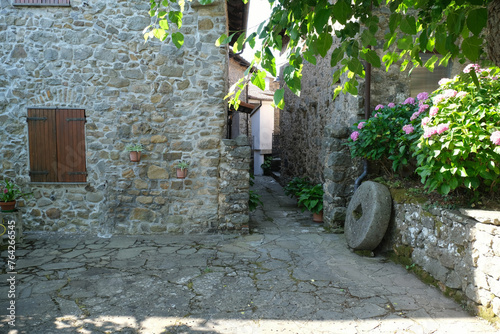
368 216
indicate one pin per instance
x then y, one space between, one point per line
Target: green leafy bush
391 132
266 166
460 146
295 186
312 198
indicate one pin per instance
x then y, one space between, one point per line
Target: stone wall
92 56
460 252
234 184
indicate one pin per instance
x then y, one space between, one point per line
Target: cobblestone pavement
289 276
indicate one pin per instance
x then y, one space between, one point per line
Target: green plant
266 166
254 200
182 165
460 146
295 186
391 133
11 192
312 198
134 148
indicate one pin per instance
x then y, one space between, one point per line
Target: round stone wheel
368 216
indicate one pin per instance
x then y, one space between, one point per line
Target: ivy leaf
178 39
476 20
342 11
324 43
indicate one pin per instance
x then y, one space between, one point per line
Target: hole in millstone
358 212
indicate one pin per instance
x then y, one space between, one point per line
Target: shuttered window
57 145
40 2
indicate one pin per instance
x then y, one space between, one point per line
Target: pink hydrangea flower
423 108
469 67
409 100
461 94
433 111
377 114
422 96
444 81
429 132
442 128
450 93
354 135
379 106
438 98
361 125
495 138
414 116
391 105
425 121
408 129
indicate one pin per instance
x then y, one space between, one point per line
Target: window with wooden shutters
41 3
57 145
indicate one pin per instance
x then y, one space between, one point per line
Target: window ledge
59 183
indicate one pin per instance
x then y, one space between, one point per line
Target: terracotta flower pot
182 173
8 206
135 156
318 217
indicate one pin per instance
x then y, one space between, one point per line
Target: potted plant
312 200
182 169
135 152
295 186
9 193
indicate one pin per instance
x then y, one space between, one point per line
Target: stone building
78 84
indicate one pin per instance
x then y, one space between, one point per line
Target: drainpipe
368 82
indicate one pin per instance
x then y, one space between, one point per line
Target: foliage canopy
352 31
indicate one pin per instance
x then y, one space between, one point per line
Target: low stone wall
460 252
234 184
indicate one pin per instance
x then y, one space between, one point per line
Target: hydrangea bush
454 133
391 132
460 145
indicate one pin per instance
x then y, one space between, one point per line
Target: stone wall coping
483 216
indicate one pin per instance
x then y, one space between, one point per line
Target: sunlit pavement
288 276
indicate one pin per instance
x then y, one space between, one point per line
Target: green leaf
279 101
321 19
178 39
163 24
309 56
238 45
371 57
394 21
324 43
367 38
251 40
429 64
206 2
409 25
160 34
471 47
176 18
355 66
477 19
259 79
337 56
405 43
223 39
342 11
445 189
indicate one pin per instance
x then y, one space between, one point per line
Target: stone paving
288 276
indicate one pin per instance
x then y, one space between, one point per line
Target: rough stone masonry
92 56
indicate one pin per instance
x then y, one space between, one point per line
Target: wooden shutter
41 2
71 166
42 145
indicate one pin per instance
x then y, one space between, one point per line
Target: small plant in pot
182 169
312 200
295 186
135 152
9 194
